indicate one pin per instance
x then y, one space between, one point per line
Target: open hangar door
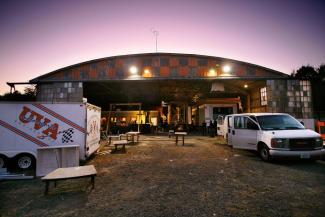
166 104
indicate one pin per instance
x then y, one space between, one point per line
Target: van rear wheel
25 162
265 153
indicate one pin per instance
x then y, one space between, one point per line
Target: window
250 71
164 62
147 62
84 75
174 72
193 71
111 63
183 62
101 74
245 123
263 96
278 122
203 62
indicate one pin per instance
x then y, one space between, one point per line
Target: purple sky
37 37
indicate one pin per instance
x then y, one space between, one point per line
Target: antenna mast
155 33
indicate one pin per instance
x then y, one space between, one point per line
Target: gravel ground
157 178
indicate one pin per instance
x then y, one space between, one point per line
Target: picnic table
132 135
70 173
120 142
110 137
182 134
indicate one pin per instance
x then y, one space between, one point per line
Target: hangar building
176 88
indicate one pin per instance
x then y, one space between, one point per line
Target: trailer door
93 129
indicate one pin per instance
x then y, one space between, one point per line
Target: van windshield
279 122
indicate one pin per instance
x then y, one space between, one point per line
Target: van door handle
233 132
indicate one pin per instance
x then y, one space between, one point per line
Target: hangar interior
174 89
175 101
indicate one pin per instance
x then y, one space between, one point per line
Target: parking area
154 177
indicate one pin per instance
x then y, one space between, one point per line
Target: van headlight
318 142
279 143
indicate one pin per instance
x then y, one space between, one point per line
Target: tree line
310 73
29 94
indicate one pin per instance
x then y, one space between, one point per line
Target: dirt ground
157 178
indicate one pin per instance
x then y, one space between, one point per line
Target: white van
273 135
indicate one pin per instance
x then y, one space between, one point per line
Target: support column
169 114
248 103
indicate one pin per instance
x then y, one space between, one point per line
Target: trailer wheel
3 161
25 161
264 153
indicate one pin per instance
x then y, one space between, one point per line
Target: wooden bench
110 137
120 143
170 133
70 173
182 134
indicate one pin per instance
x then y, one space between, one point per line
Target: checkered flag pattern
67 135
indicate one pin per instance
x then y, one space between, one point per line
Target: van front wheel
265 153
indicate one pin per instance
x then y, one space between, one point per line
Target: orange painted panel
119 63
260 72
111 73
164 71
76 74
192 62
174 62
183 71
93 74
202 71
212 64
241 71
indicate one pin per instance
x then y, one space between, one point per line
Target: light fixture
146 71
133 70
245 86
226 69
212 72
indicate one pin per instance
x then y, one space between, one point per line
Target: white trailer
27 126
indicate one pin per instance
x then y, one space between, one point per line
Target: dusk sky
37 37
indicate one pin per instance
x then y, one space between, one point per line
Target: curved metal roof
155 66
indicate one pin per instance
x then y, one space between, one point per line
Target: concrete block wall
60 92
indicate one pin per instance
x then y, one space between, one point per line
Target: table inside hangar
174 88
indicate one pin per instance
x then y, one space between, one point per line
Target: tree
28 95
321 72
306 72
